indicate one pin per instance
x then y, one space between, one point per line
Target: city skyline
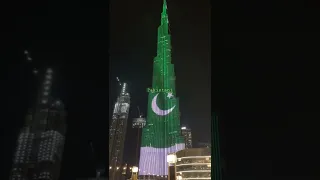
184 91
252 62
83 76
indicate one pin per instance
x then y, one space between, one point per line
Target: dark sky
264 77
88 48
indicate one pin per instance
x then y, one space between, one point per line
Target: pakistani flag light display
161 135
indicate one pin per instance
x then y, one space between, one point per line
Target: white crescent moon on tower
157 110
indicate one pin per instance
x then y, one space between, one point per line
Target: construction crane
118 81
99 169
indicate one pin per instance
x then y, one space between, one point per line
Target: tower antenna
92 148
139 111
119 81
27 55
29 59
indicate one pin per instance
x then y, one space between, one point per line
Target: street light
171 159
179 177
135 170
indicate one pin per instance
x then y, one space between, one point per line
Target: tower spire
161 134
164 7
164 15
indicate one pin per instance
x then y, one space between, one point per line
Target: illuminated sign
153 90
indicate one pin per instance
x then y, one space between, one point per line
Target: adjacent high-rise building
139 123
40 144
161 135
117 133
186 133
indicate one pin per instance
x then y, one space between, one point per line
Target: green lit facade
161 135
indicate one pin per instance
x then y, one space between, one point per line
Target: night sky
263 78
264 85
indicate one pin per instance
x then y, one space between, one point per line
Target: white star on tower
170 95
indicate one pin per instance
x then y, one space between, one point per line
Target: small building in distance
139 122
186 133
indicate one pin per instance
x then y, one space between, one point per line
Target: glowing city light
35 71
48 76
135 169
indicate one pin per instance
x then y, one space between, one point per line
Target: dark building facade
100 178
204 145
117 133
218 162
40 143
186 133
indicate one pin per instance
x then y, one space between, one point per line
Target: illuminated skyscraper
117 133
186 133
161 135
40 143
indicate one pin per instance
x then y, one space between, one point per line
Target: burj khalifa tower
162 134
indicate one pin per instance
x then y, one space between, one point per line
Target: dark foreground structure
217 164
40 143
